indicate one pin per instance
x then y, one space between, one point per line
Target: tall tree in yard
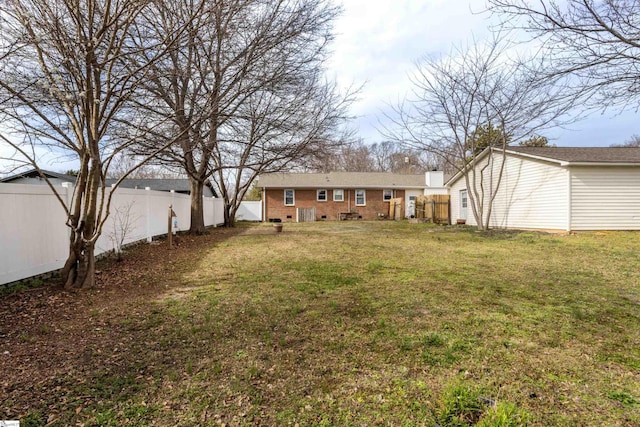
243 90
473 98
65 82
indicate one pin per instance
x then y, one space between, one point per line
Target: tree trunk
229 216
80 268
197 207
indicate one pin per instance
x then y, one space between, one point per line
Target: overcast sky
378 42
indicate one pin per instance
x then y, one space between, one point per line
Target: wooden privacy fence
434 208
396 209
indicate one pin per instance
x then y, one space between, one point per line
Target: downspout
348 200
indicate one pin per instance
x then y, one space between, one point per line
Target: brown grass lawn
352 323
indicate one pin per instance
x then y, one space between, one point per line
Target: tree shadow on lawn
52 340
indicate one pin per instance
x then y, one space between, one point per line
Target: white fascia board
566 164
531 156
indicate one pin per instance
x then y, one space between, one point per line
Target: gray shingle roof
160 184
178 185
341 180
611 155
32 173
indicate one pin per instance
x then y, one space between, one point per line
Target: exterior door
411 207
410 203
464 202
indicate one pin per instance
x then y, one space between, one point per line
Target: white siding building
557 188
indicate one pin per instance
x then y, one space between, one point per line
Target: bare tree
274 130
129 165
456 96
124 222
390 156
64 81
634 141
353 156
596 42
234 87
387 156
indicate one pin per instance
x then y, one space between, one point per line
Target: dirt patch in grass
373 323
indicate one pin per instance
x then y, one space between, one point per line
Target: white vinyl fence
249 211
35 240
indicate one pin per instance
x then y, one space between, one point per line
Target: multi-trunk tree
65 81
243 92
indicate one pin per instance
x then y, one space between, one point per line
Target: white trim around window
321 195
361 198
338 195
387 195
289 197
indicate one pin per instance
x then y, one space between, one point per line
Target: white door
411 211
410 203
463 204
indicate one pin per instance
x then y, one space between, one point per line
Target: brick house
341 195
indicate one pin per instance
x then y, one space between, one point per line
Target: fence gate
306 215
434 208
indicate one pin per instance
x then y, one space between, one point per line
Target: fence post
169 221
147 198
68 187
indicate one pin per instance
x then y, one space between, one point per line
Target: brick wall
275 208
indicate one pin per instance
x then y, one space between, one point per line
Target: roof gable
568 156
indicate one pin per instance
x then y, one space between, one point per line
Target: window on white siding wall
289 197
321 195
338 195
361 198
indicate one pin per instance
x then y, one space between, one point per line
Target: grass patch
374 323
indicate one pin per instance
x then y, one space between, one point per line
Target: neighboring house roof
178 185
570 156
341 180
32 173
156 184
161 184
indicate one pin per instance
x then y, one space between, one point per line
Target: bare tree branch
475 87
596 43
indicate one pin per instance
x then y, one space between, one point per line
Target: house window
338 195
361 198
289 197
387 195
321 195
